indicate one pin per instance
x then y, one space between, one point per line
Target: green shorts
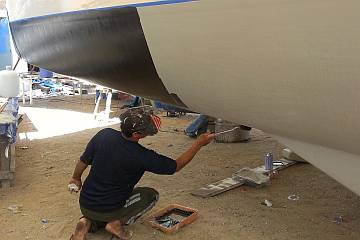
141 200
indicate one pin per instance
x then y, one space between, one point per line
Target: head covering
140 119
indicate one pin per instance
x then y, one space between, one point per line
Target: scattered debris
44 220
24 147
170 145
338 219
293 197
242 189
15 208
267 203
273 174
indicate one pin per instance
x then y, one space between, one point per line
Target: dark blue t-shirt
117 166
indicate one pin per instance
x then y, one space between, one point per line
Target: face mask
141 120
156 121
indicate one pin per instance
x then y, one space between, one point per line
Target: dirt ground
44 168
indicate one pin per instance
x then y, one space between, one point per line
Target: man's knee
149 193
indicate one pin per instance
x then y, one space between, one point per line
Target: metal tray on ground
170 219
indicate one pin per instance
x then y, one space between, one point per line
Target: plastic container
9 83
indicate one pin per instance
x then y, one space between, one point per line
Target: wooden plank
227 184
5 184
218 187
3 105
4 157
12 158
6 175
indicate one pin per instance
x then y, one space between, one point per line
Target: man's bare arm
79 169
189 154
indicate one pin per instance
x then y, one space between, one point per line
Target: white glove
73 188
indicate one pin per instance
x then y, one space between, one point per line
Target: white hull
290 68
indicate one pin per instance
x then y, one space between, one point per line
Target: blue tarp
9 129
169 107
45 73
51 84
5 52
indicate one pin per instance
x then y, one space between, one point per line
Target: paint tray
170 219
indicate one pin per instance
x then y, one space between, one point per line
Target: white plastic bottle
9 83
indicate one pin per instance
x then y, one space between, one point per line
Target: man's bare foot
81 229
118 230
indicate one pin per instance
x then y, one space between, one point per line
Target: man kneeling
108 197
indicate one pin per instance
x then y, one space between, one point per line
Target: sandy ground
43 171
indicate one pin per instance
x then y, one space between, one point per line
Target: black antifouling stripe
104 46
